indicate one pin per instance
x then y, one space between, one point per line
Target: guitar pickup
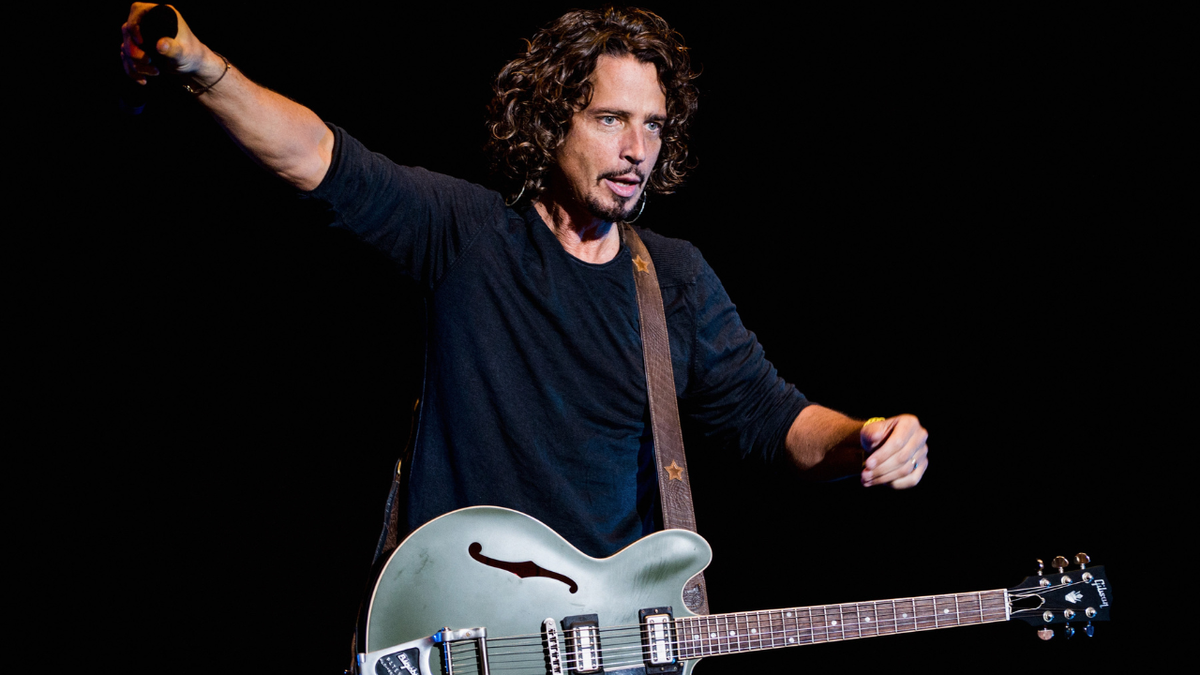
658 640
583 643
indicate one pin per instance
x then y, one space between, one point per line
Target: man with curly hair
534 395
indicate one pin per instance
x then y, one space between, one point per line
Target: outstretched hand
181 54
899 455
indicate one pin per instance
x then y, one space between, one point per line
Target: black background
948 214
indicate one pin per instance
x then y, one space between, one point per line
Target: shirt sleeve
424 221
734 393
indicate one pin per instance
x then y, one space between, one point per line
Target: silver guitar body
503 572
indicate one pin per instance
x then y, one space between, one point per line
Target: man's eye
654 126
608 120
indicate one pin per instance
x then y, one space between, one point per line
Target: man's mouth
624 185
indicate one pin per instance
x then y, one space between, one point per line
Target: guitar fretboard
701 636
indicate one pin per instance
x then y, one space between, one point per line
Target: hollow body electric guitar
490 591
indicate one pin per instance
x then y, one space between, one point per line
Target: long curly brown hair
538 92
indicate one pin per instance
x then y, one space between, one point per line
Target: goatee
614 212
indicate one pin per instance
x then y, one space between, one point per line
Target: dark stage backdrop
932 215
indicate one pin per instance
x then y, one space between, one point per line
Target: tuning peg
1059 563
1089 629
1041 566
1045 633
1082 560
1043 582
1068 630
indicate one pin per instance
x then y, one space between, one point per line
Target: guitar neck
701 636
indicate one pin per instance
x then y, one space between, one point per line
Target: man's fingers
900 461
914 476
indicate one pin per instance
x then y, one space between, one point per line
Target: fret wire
715 635
720 634
775 627
723 635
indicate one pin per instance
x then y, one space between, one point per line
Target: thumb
170 48
875 432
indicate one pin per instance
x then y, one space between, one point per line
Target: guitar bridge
550 647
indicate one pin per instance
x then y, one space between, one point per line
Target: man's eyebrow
615 112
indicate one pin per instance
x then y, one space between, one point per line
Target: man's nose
635 146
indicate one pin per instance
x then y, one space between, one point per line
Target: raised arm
283 136
826 444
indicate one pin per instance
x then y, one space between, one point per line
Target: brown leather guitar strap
674 486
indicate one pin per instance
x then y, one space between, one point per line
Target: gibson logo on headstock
1100 587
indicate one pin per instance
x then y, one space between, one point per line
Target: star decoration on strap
674 472
641 265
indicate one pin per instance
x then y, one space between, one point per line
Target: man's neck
584 236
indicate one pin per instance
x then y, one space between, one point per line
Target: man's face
613 143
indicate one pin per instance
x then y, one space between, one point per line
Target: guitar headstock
1062 596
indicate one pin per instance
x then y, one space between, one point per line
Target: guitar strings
750 630
824 626
743 631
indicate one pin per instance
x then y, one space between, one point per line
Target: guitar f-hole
522 569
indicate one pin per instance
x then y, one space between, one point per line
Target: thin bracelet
196 92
